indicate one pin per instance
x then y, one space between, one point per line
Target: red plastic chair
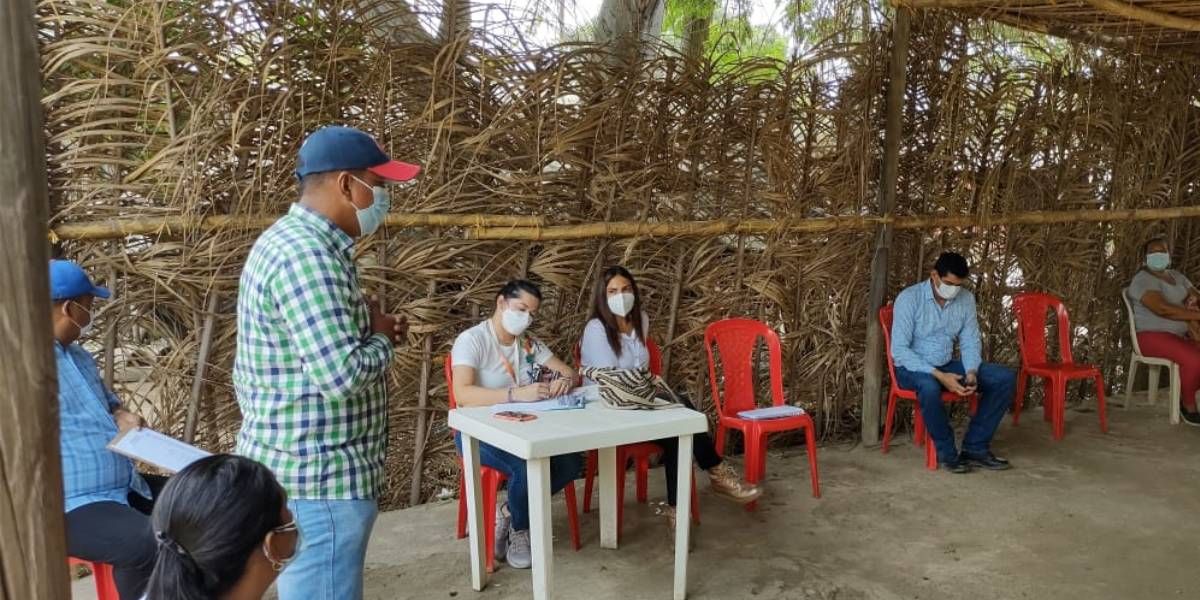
895 393
1030 309
639 453
106 586
490 480
735 340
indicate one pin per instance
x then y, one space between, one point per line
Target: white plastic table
563 432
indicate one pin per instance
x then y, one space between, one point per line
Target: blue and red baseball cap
68 281
339 148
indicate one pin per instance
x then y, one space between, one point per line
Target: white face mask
621 304
947 291
371 218
515 322
83 329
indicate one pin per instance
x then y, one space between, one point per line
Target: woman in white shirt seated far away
497 362
615 337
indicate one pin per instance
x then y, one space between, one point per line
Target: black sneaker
955 465
986 460
1191 418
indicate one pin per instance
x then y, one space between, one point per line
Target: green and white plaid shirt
309 374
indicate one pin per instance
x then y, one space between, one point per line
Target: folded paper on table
771 412
162 451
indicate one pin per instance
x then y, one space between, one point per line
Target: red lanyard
508 366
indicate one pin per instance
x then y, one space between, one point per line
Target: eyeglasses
279 564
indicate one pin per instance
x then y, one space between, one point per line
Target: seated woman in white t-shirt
615 337
496 362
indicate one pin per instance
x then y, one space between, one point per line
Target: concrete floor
1094 516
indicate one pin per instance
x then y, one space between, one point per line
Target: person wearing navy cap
107 502
312 357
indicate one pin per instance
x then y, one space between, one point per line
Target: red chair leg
588 479
810 440
462 507
1100 403
1019 398
620 493
572 514
888 421
106 586
756 462
720 440
643 478
489 521
1047 402
695 502
973 404
931 460
918 426
1059 406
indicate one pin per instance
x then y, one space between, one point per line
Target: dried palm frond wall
158 109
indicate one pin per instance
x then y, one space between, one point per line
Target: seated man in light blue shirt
929 317
107 502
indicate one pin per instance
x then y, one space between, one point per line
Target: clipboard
154 448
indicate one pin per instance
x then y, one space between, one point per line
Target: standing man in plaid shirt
312 355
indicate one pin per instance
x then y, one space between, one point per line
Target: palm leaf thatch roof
1164 27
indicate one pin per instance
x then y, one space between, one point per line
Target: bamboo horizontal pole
1134 12
626 229
174 225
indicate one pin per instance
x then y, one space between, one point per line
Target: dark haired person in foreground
929 317
224 532
107 501
496 362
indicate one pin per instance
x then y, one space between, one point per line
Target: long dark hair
211 516
601 311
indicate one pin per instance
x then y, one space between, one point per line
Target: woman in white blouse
615 336
496 362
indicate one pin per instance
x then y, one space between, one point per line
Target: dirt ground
1094 516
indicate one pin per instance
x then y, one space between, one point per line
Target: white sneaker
519 555
503 523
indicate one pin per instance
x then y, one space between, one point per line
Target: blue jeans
333 548
996 387
563 470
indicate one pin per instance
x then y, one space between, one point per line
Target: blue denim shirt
923 332
91 472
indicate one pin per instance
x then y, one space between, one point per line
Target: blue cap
68 281
338 148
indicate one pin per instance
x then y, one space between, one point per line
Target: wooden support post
873 362
33 563
210 318
673 318
414 492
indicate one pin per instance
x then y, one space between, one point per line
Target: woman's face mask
621 304
515 321
1158 261
371 218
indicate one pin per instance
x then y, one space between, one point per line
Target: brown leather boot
666 510
726 483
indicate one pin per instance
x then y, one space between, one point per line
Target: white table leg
608 497
477 537
540 535
683 515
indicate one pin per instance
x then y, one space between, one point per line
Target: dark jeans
120 535
703 449
996 387
563 470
